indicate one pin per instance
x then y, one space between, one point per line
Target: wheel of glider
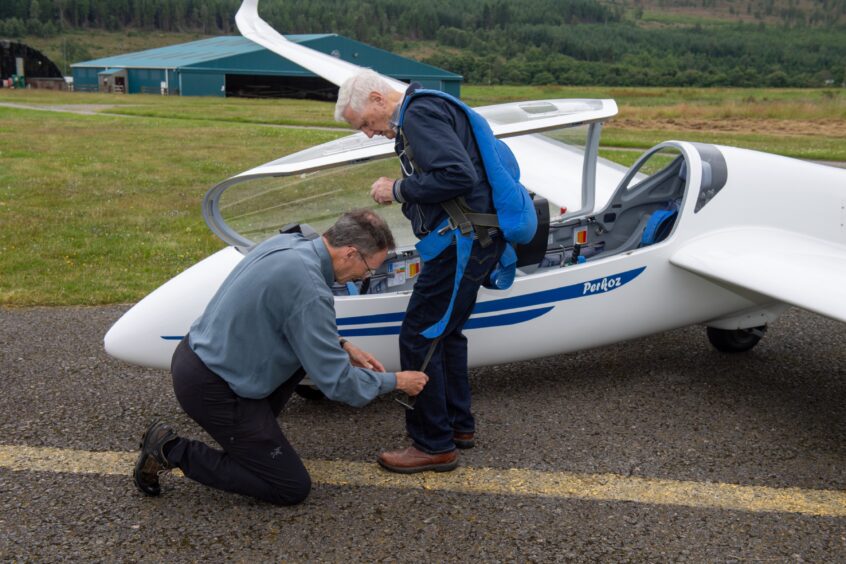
735 340
309 392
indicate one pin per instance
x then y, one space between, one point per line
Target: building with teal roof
235 66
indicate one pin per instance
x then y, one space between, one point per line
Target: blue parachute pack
516 217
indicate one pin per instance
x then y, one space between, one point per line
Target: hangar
235 66
22 65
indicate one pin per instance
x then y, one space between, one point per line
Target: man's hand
382 191
362 359
411 382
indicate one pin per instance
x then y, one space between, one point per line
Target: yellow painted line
480 480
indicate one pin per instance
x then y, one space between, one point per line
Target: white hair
355 91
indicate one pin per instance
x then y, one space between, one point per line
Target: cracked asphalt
663 407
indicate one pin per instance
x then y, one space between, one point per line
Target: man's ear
376 97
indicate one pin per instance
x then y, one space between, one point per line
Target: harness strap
431 246
483 236
408 401
483 219
461 215
463 224
466 220
458 219
406 147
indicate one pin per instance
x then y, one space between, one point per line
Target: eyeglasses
370 271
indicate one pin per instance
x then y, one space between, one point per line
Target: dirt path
84 109
102 110
834 128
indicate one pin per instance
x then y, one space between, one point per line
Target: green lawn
243 110
102 209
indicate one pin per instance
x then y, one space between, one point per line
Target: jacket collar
395 116
325 260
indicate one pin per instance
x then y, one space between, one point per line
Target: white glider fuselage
692 233
604 300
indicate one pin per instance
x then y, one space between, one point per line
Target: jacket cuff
387 382
397 191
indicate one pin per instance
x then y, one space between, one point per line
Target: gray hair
363 229
355 91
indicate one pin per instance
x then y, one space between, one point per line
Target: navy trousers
443 407
255 458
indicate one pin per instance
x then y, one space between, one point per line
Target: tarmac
659 449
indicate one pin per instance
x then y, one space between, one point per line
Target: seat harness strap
462 222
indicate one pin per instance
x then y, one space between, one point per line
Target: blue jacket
447 163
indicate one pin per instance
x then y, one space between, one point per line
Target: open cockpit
590 209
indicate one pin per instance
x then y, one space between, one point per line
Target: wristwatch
343 342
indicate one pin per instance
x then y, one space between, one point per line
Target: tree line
579 42
366 20
623 55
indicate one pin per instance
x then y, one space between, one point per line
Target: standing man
271 322
441 163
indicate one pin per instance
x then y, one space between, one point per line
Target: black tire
309 392
735 340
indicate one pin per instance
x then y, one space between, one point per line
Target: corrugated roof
184 54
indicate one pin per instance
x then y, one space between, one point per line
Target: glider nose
148 333
135 339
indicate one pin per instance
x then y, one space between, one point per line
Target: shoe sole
445 467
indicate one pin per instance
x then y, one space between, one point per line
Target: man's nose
369 132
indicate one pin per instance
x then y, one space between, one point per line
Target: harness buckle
466 228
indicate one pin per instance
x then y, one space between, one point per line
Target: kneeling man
271 322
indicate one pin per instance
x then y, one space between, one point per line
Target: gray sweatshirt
274 313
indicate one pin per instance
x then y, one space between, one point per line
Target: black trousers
256 458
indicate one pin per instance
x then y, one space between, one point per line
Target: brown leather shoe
463 440
410 460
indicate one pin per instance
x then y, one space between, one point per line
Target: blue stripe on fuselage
582 289
474 323
579 290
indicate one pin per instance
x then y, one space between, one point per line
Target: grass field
804 123
244 110
102 209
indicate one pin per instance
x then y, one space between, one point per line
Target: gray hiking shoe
151 460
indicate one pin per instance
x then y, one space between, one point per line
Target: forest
793 43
